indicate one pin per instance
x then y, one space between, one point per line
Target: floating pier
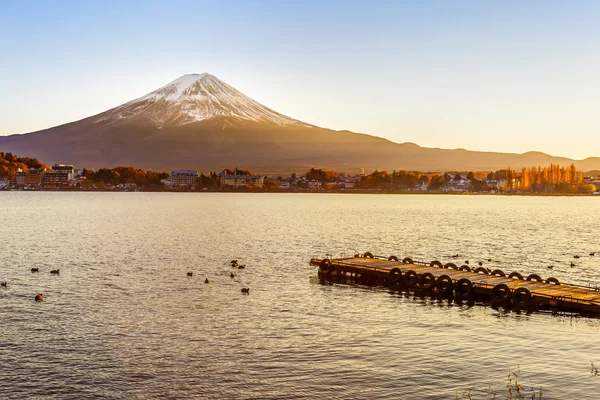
463 283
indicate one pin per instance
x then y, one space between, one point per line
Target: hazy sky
508 76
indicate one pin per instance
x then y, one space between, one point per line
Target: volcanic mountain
200 122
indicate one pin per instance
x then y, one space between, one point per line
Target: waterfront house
184 178
458 185
241 180
315 184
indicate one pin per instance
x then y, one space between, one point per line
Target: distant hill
200 122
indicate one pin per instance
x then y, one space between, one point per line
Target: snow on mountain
191 98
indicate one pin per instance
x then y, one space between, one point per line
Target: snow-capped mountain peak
195 97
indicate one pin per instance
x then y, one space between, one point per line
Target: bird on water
246 290
39 297
206 280
190 273
35 270
55 271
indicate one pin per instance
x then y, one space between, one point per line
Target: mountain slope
200 122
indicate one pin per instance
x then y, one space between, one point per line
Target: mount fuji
200 122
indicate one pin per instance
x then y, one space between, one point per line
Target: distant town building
242 180
421 186
3 184
62 168
285 185
315 184
20 178
55 179
184 178
458 185
31 177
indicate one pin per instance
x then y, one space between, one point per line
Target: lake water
123 320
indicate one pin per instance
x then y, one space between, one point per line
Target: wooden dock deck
463 282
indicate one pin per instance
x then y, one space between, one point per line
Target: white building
184 178
64 169
242 180
461 185
314 184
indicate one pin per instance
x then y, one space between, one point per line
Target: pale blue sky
506 76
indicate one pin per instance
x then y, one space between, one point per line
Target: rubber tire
553 281
410 278
498 272
461 283
499 288
436 263
325 267
536 277
515 275
408 260
522 298
395 275
450 265
392 258
465 268
427 281
479 270
368 254
444 284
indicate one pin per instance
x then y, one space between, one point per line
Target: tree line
10 164
550 179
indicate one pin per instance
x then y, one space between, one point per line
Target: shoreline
358 191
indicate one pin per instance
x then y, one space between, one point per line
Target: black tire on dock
408 260
325 267
410 278
521 298
463 288
465 268
498 272
392 258
535 277
436 263
368 254
395 275
553 281
444 284
450 265
427 281
515 274
500 293
480 270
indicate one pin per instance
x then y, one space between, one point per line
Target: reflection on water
123 319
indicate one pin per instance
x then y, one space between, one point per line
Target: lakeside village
25 173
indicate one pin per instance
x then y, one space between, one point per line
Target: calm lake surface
122 320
